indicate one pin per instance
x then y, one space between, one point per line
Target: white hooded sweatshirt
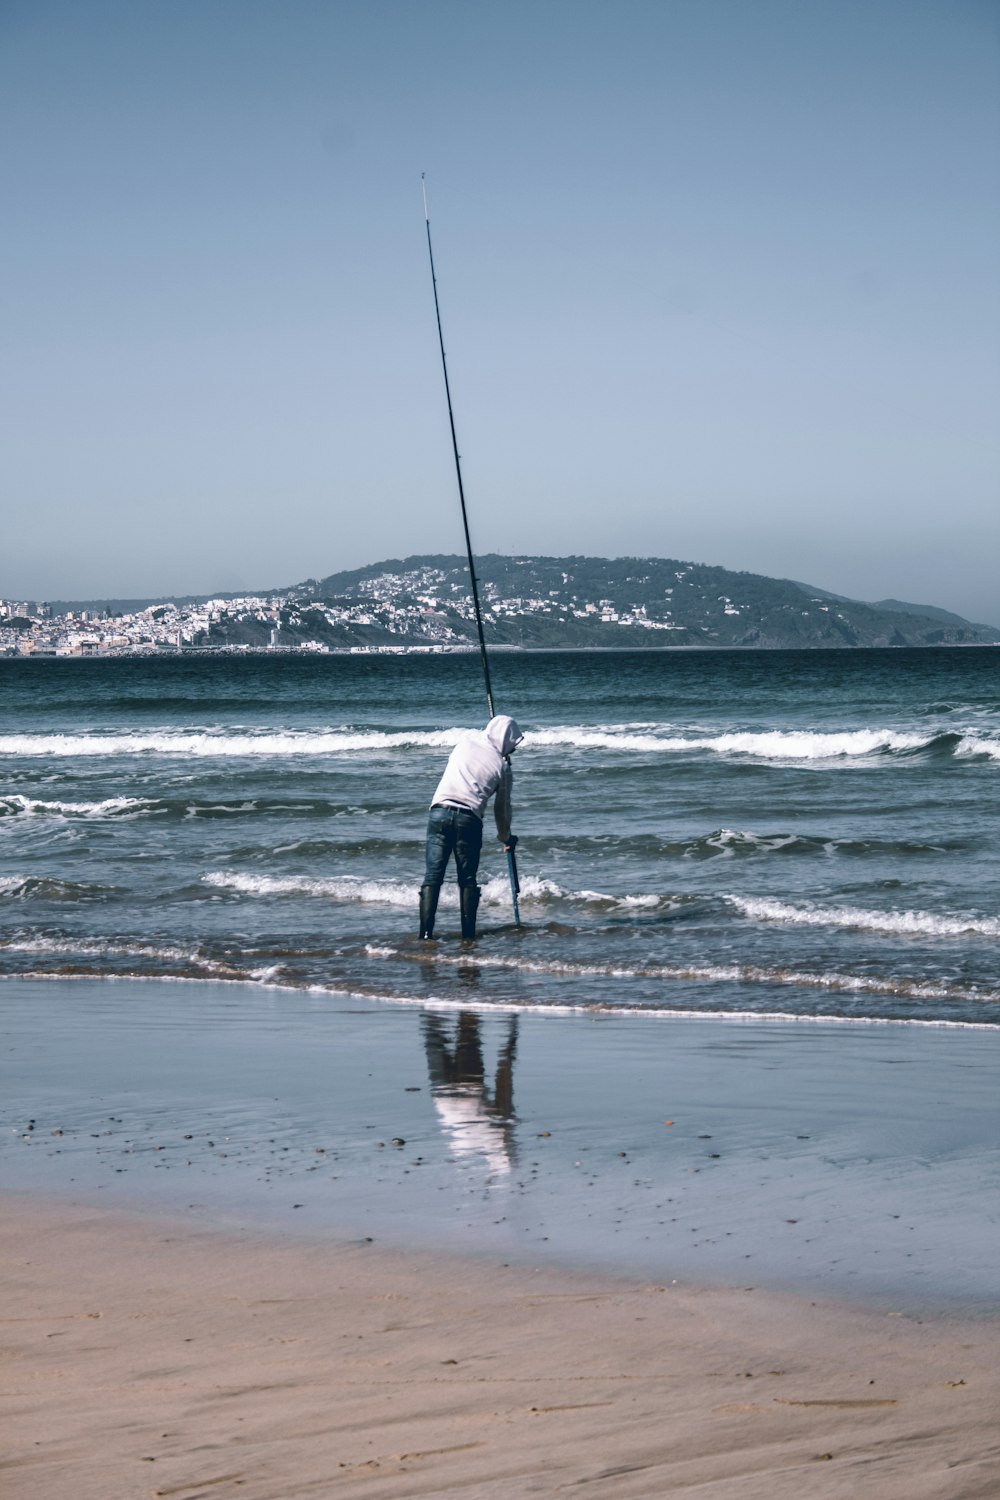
478 767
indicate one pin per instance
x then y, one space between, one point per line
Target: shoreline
595 1011
147 1356
505 648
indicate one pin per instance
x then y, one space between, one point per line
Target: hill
539 601
579 600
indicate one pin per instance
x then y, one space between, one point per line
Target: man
478 766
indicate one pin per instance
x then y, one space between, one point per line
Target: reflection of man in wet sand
476 1121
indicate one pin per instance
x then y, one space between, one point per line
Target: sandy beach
262 1243
144 1358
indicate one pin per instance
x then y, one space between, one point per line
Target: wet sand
144 1358
855 1161
266 1244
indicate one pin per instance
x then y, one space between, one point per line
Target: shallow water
786 834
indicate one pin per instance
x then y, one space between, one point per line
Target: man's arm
502 810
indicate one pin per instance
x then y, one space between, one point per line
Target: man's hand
510 843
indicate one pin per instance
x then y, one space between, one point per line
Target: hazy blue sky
719 281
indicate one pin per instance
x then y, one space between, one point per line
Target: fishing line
458 464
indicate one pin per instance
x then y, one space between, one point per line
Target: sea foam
216 743
904 923
495 891
776 744
753 974
107 807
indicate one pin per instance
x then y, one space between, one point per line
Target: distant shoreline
285 652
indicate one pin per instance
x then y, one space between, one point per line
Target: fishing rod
458 464
511 845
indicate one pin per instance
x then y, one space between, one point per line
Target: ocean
807 835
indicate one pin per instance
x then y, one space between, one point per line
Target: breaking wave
904 923
776 744
538 891
798 745
344 888
495 892
222 743
122 808
108 807
976 745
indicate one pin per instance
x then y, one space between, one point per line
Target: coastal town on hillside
413 614
425 604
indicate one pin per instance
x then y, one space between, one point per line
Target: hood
504 734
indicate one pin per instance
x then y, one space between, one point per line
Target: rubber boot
469 898
428 909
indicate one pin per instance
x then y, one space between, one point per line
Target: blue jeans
453 830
